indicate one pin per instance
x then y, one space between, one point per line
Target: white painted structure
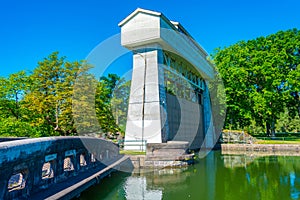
149 35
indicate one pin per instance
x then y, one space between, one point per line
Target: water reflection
269 177
213 177
136 188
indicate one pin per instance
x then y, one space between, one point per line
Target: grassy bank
279 140
130 152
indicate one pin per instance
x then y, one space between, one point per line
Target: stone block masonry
262 149
162 155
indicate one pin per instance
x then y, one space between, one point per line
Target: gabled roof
139 10
173 24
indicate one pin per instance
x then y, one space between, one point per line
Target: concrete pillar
208 120
144 111
33 173
165 131
58 167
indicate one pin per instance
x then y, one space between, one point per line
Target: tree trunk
17 105
273 128
268 127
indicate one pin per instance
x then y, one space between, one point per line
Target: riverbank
262 149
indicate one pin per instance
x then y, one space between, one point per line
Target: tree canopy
40 103
261 79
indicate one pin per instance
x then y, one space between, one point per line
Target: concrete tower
169 99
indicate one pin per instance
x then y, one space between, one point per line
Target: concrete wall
147 31
261 149
151 129
185 119
29 156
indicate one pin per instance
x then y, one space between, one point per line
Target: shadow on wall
185 120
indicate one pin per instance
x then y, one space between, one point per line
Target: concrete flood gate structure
169 98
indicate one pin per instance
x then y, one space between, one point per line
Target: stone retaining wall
264 149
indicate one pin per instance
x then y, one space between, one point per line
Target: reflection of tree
264 178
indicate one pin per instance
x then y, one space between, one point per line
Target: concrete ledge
7 139
264 149
161 155
169 148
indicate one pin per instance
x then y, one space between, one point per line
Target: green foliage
49 100
84 105
12 91
47 103
288 123
119 103
112 95
12 127
103 109
261 79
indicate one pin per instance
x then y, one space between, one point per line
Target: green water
213 177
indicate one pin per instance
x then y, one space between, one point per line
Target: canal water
214 177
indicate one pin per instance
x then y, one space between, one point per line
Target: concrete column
144 111
163 99
76 163
33 174
208 120
58 167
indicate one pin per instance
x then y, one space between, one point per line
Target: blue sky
30 30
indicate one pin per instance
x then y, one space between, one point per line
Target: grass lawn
278 141
130 152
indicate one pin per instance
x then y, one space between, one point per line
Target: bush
11 127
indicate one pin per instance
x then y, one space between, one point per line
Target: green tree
119 103
50 98
104 93
12 91
13 120
261 78
61 98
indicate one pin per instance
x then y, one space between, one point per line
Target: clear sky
32 29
